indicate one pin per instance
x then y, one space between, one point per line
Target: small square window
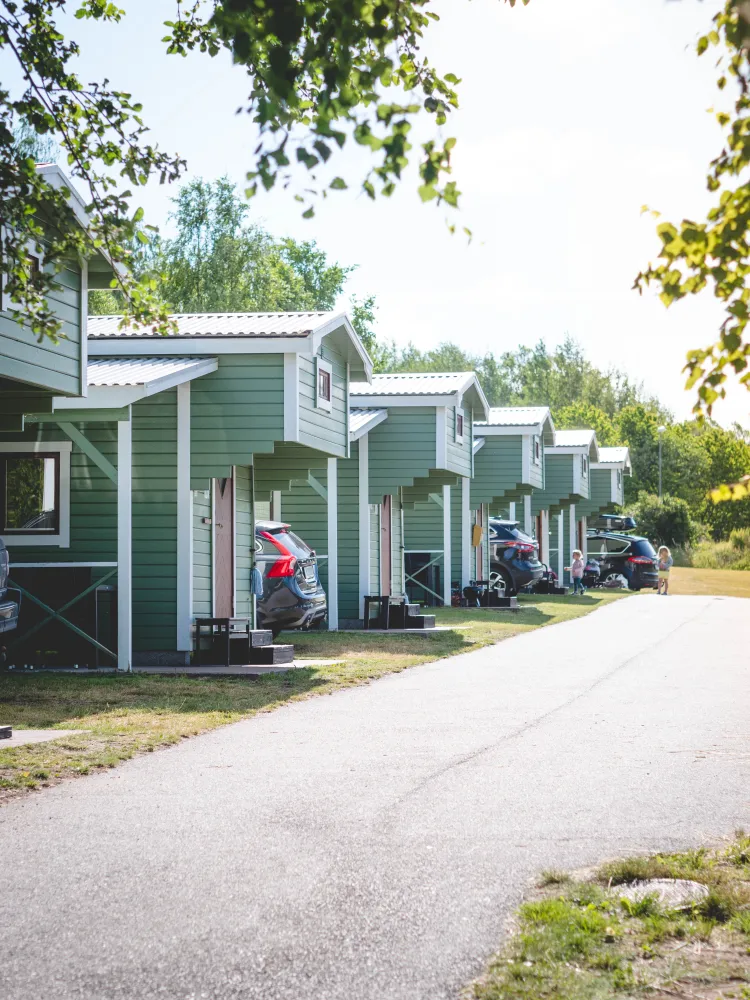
30 494
459 426
584 464
323 384
537 451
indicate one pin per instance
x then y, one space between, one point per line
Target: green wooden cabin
509 464
420 457
607 483
567 483
33 372
162 466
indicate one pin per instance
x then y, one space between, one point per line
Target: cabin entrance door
386 545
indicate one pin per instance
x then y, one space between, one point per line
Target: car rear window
643 547
508 534
290 541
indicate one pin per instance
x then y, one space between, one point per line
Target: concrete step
420 621
267 656
261 637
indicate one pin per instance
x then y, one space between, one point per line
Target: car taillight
286 564
521 546
641 560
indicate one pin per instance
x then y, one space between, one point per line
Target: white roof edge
342 320
377 417
104 397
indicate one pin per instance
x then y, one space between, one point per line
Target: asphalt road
370 845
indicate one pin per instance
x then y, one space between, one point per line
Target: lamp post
660 432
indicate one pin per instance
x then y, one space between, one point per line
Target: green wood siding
348 524
93 499
456 532
402 449
235 412
498 469
307 512
320 428
202 598
154 506
600 494
56 367
459 455
243 541
558 492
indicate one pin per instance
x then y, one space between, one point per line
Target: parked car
293 597
514 556
630 556
9 599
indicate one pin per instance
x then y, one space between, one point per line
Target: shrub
734 553
664 522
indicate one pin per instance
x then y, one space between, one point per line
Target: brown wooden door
386 550
223 548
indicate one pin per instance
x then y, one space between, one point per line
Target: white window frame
30 246
459 438
61 539
323 366
536 452
584 466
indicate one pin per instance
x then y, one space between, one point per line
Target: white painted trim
63 565
184 522
341 321
572 539
124 545
585 543
544 540
333 545
510 430
441 437
364 520
105 397
378 416
447 555
459 412
348 411
364 401
84 326
321 365
62 539
403 540
591 450
213 550
234 541
527 520
291 397
276 505
511 510
560 547
526 459
577 477
465 532
536 439
478 445
194 346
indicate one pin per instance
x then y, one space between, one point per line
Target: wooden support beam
90 450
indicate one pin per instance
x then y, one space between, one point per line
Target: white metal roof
516 416
413 383
613 455
576 442
361 421
137 371
289 324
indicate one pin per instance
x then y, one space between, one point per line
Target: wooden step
421 621
261 637
412 609
268 656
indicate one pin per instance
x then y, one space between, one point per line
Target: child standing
665 564
576 569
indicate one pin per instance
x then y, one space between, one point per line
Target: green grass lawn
720 582
579 939
135 713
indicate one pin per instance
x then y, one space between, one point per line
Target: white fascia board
472 382
526 459
563 450
108 347
441 437
105 397
478 444
342 321
375 419
488 430
365 401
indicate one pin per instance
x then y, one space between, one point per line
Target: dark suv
8 604
514 556
630 556
292 595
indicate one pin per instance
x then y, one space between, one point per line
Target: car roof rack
613 522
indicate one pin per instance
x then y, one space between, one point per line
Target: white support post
584 536
333 545
276 505
544 540
465 532
528 524
184 523
364 520
560 547
572 536
124 546
447 557
512 511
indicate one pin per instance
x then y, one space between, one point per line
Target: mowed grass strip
136 713
581 940
717 582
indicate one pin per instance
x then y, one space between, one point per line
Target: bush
664 522
731 554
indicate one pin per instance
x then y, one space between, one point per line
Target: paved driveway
369 845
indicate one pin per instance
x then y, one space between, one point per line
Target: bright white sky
574 115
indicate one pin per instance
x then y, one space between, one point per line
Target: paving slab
371 844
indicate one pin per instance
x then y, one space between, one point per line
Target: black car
514 556
9 599
630 556
292 595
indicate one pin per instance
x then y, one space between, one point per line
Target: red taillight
286 565
641 560
521 546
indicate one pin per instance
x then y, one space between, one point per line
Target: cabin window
619 478
34 494
459 426
323 384
584 465
537 450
